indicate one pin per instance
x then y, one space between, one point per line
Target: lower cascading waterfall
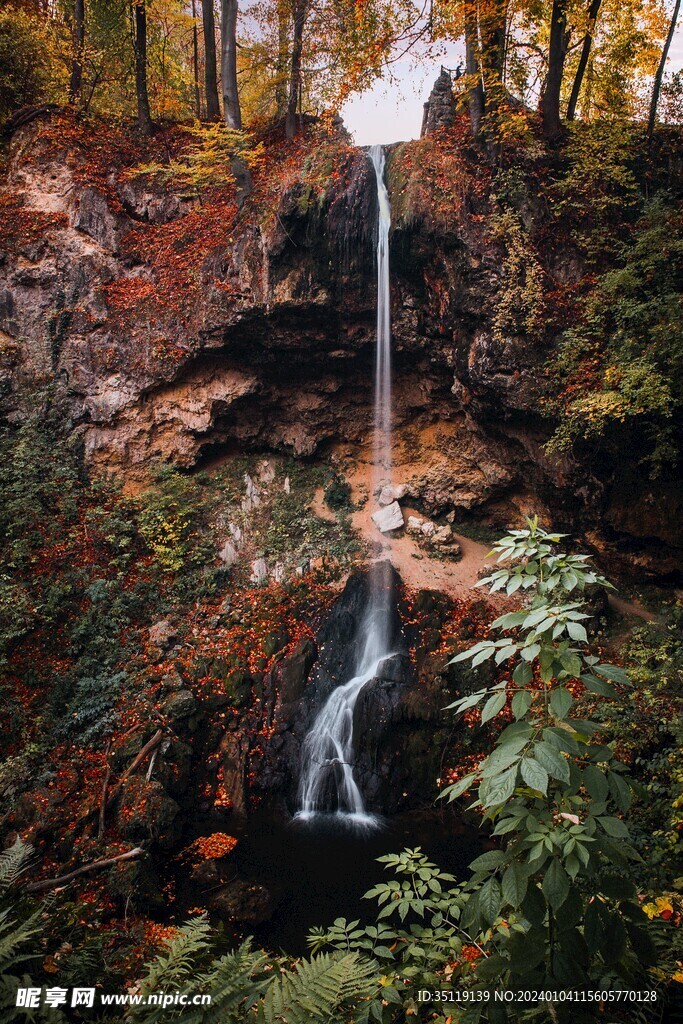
328 785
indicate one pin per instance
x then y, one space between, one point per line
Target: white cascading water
327 780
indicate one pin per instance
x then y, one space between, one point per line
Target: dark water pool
319 871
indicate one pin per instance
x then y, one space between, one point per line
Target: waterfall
327 782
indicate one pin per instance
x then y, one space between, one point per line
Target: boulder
163 634
180 704
388 518
228 553
414 525
428 528
392 492
442 535
244 902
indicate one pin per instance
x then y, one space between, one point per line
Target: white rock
299 570
259 571
391 493
235 532
266 472
228 553
287 487
443 535
428 528
388 518
278 572
414 524
252 490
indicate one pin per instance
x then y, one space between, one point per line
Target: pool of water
319 870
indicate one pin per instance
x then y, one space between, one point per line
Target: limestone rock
388 518
259 571
228 553
443 535
428 528
439 110
414 525
391 493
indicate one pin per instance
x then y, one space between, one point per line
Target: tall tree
213 110
78 36
195 62
659 74
593 12
475 95
492 30
299 13
140 44
231 98
557 51
282 55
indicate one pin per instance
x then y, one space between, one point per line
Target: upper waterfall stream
328 784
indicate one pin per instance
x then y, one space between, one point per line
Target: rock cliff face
179 328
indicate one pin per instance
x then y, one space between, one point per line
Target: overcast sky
392 110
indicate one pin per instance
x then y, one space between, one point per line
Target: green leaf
458 788
509 620
556 884
620 790
535 776
552 761
613 672
577 631
493 706
490 900
560 701
614 827
595 782
599 686
501 788
521 702
515 884
489 861
466 702
523 674
530 652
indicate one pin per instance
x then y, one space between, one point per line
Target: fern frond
319 990
13 862
179 960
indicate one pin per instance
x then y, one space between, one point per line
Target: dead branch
96 865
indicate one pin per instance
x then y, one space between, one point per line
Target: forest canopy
282 59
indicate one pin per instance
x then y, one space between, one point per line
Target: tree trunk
195 63
557 51
492 31
213 110
144 116
299 17
475 96
593 12
231 98
76 79
282 58
657 85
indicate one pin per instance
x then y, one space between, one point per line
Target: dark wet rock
291 674
243 902
146 813
136 886
180 704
